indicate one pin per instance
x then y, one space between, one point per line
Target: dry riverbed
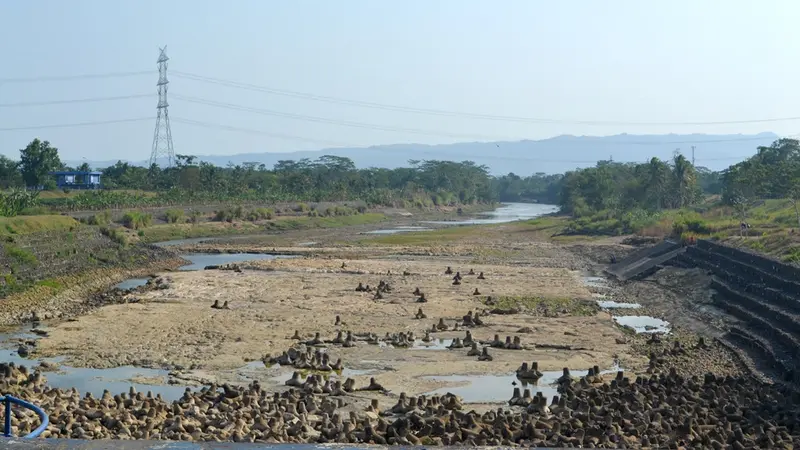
176 328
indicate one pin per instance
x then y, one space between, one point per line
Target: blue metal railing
8 400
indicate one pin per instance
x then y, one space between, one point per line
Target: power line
384 106
460 155
75 77
418 131
78 124
441 112
75 100
265 133
332 121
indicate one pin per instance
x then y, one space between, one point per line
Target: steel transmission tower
162 136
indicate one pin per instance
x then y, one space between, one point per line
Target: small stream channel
639 323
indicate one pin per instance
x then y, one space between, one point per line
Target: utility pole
162 136
693 155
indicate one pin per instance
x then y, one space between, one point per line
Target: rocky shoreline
660 409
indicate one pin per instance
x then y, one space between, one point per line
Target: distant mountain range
554 155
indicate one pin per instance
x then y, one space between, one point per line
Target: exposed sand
177 328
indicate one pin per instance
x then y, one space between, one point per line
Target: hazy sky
624 61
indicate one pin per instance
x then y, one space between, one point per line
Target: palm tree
657 176
684 178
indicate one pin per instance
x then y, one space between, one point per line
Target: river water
508 212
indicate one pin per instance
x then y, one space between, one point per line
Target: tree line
611 188
328 178
630 192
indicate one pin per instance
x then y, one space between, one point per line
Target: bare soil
177 328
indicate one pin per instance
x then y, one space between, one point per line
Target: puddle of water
181 242
611 304
436 344
200 260
596 282
96 380
498 388
398 230
644 324
509 212
131 283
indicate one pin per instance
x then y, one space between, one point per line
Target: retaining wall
764 294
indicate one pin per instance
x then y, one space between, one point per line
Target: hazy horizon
623 63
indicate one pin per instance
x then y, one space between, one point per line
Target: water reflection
509 212
644 324
398 230
116 380
131 283
198 261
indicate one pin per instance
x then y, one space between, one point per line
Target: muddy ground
176 328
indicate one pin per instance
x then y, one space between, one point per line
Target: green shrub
136 220
194 216
302 207
115 235
174 215
20 255
101 218
223 215
238 212
36 211
692 222
260 214
793 255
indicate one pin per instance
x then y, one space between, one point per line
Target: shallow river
118 379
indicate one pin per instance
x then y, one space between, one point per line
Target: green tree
684 181
9 173
37 160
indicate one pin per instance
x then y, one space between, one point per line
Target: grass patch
169 232
439 236
21 225
303 223
160 233
20 255
549 224
115 234
36 211
174 216
136 220
53 285
101 218
547 306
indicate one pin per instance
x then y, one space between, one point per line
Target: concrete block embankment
762 294
645 261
